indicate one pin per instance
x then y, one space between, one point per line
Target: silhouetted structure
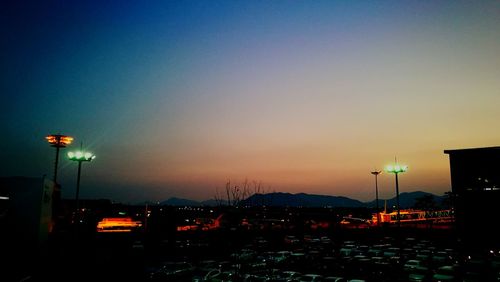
475 181
28 209
376 173
79 156
58 141
26 222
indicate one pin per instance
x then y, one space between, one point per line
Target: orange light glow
57 140
203 224
117 224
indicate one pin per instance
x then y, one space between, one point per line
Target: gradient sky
177 97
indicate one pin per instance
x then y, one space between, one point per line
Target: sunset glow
177 98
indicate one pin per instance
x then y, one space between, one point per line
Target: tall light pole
80 157
376 173
58 141
396 169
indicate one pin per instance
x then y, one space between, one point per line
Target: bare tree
228 189
235 194
218 197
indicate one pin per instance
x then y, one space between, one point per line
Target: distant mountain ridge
406 200
174 201
300 200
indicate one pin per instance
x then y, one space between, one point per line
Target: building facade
475 181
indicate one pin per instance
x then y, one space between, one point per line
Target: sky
176 98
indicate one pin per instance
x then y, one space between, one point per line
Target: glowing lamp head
57 140
81 156
396 168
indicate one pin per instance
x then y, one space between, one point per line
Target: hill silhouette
300 200
406 200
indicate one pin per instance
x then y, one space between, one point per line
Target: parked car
445 273
172 271
311 278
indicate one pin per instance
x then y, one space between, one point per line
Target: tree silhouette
236 193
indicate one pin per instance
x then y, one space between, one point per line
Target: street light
376 173
396 169
79 156
58 141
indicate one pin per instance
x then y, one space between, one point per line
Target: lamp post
58 141
396 169
376 173
80 157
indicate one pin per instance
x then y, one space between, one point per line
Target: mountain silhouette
300 200
406 200
179 202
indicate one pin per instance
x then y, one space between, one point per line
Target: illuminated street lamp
396 169
376 173
80 157
58 141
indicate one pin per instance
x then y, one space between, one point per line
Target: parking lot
361 255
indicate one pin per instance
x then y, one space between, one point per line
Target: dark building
27 210
475 181
25 223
